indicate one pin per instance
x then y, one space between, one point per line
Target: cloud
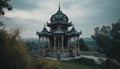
28 26
34 15
25 4
85 14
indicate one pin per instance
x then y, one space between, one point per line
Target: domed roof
59 16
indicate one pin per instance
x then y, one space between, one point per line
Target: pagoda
59 42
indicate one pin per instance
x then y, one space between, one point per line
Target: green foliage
13 52
81 63
43 63
83 46
91 43
110 64
102 38
4 4
108 39
31 45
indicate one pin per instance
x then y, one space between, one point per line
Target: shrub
13 52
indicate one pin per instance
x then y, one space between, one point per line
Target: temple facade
59 41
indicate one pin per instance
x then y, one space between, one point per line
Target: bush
110 64
13 51
43 63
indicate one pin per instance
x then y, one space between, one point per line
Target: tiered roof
59 20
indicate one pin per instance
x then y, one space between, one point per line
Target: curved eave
58 32
51 24
75 33
42 33
67 34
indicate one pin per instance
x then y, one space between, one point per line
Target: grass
74 65
81 63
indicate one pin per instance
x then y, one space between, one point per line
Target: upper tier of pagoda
59 18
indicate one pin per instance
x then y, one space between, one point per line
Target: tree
108 39
13 51
102 37
4 4
83 46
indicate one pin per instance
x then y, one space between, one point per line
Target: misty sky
31 15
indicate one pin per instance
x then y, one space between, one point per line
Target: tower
59 42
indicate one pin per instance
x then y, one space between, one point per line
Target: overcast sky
31 15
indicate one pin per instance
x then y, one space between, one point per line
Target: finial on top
59 6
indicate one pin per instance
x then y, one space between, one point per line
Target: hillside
91 42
